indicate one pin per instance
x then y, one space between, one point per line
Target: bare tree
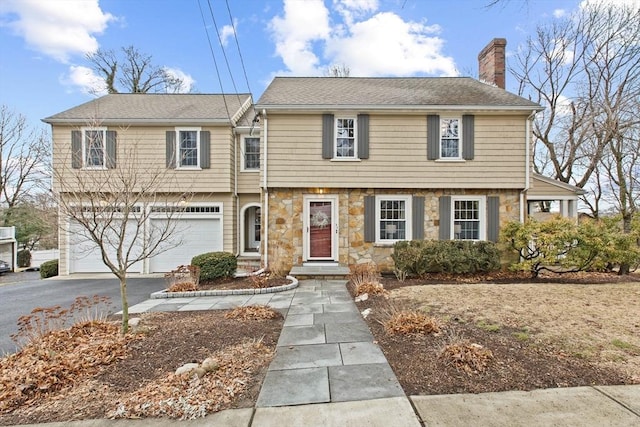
133 72
337 70
24 158
111 209
584 70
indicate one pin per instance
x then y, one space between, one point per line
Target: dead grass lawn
599 322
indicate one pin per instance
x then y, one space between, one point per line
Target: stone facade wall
285 222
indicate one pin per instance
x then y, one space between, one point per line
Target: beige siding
145 148
540 188
398 155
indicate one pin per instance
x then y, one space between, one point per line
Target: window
188 146
468 218
450 138
93 144
393 218
251 154
345 147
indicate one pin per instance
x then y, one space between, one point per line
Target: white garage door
192 237
85 255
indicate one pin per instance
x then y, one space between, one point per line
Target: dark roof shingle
296 92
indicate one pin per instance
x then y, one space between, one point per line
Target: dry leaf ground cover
540 335
100 377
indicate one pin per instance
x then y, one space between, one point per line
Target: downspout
238 220
527 171
265 192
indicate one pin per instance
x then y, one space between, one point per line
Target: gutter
527 170
265 192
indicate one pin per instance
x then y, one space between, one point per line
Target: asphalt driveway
22 292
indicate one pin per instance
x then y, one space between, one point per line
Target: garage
192 236
85 255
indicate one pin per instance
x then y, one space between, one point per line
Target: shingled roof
136 108
387 93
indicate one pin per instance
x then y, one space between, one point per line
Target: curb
225 292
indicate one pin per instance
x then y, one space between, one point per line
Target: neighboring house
325 171
8 249
207 144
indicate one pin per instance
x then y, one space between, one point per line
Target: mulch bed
239 283
170 340
516 365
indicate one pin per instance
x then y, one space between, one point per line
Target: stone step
320 271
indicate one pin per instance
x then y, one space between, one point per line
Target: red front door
320 226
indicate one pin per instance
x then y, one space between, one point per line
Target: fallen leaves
253 312
411 322
467 356
57 360
190 396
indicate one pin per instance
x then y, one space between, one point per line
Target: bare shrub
281 263
407 322
182 279
370 288
253 312
465 356
364 273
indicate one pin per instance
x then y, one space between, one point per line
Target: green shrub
24 258
49 269
419 257
214 265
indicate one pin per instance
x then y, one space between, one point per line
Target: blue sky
43 42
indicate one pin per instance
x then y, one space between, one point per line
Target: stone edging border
224 292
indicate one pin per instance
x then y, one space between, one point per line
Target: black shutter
433 137
171 149
363 136
76 149
493 218
205 149
369 218
417 218
111 149
327 136
467 137
445 218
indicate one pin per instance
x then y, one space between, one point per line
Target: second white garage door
195 237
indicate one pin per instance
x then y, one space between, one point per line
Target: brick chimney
491 63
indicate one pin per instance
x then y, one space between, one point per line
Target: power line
235 36
215 63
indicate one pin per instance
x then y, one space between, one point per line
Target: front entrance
321 227
250 235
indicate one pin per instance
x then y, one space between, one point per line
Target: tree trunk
125 304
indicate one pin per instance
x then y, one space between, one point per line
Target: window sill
385 244
450 160
345 160
189 168
250 170
94 168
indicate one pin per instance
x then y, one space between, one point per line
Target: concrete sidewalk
328 372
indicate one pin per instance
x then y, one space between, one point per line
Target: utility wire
215 63
224 53
235 36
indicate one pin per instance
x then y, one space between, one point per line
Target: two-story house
321 171
204 147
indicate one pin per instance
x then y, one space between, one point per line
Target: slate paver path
326 352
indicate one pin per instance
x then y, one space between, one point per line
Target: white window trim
84 131
459 157
482 217
408 217
177 149
355 139
243 148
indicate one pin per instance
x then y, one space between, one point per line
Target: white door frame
306 238
243 226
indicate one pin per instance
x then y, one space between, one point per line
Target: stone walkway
325 352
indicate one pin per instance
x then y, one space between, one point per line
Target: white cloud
86 80
57 28
370 43
559 13
227 32
187 81
303 23
631 4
